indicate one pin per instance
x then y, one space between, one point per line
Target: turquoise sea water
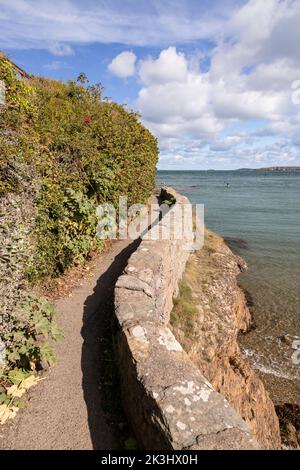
260 214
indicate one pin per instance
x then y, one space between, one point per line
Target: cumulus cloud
170 67
174 100
123 65
248 81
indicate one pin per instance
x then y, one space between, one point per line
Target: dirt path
66 409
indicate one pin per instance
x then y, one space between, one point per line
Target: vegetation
201 271
185 311
63 150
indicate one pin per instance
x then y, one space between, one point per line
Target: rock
289 434
216 350
209 354
286 340
289 419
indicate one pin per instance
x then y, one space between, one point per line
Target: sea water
258 213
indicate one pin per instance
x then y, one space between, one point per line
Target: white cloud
174 100
59 49
170 67
248 81
196 114
24 24
56 65
239 102
123 65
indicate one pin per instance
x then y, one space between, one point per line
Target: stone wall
169 403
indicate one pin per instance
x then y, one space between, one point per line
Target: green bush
70 165
84 164
26 320
55 168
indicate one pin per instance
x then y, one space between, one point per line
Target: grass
184 312
200 271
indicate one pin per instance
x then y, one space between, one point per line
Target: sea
258 215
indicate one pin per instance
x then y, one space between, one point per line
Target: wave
266 369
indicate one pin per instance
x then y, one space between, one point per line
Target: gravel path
65 411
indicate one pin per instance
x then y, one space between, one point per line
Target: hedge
64 149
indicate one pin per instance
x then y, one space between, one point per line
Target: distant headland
272 168
280 168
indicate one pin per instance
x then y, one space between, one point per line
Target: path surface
65 410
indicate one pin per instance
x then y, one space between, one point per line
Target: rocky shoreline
284 392
210 335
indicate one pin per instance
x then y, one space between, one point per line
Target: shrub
83 164
25 317
63 150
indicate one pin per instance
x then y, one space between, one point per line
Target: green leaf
4 399
56 332
47 354
16 376
20 404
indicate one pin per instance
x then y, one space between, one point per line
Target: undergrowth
64 149
184 311
199 273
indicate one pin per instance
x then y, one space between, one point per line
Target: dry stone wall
169 403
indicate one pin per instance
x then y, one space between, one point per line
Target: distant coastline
211 170
280 168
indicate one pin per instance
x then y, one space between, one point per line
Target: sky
216 81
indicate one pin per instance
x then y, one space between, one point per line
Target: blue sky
211 79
